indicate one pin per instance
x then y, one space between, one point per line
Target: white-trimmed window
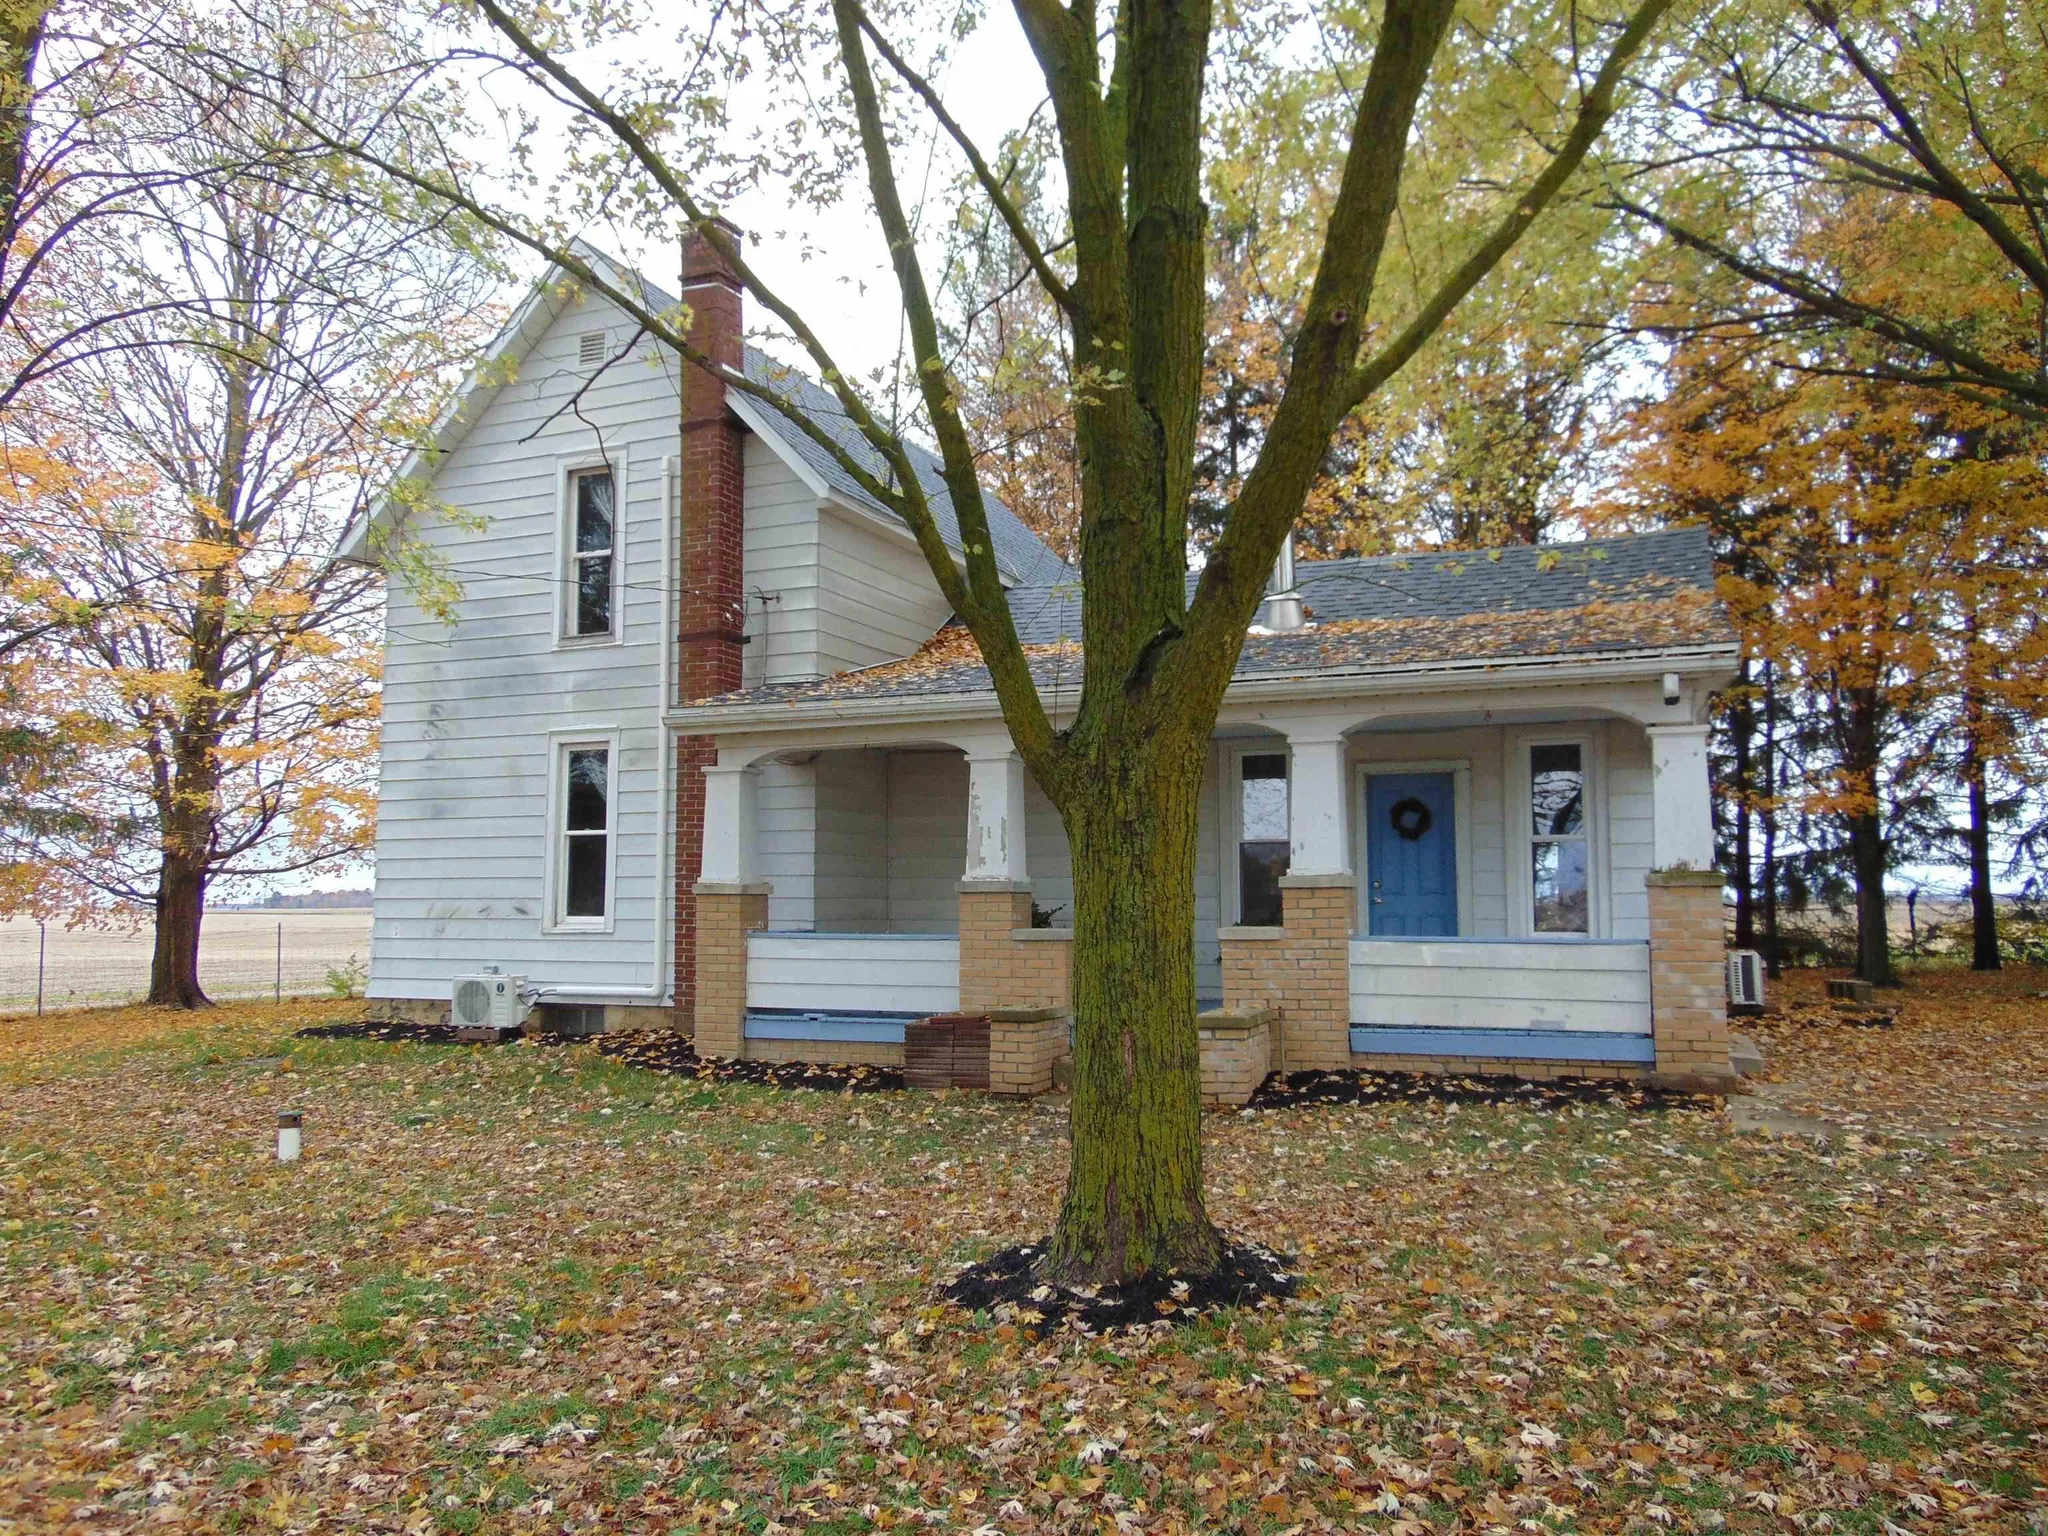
1560 861
1262 836
590 584
582 818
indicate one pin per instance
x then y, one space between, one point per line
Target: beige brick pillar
726 914
990 911
1300 970
1315 1022
1237 1053
1023 1044
1688 979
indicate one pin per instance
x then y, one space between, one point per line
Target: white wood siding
876 600
780 554
468 708
927 834
1629 854
1501 984
853 843
880 973
788 806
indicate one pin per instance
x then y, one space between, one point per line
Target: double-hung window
1560 884
1261 837
583 835
593 548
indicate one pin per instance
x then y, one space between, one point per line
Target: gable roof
1634 595
1444 584
1021 556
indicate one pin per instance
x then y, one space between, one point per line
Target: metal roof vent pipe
1281 613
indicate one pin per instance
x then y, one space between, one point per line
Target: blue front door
1411 855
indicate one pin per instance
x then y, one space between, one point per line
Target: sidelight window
1262 834
1559 868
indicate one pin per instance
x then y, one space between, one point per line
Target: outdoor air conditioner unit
1745 981
488 1000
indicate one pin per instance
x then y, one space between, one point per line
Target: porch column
995 816
732 901
995 887
1318 831
729 826
1688 943
1681 798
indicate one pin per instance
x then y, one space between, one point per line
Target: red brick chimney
712 611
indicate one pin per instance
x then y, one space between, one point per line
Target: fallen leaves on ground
532 1289
1952 1052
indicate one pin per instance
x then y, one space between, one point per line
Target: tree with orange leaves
1878 554
203 674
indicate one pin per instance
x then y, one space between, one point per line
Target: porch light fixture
289 1125
1671 689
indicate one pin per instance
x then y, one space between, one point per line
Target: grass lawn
526 1289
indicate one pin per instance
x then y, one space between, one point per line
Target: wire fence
317 952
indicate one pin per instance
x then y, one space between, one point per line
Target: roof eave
1359 681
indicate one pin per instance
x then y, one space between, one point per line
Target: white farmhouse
702 746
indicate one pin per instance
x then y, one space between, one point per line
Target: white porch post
1319 833
729 827
1681 798
995 817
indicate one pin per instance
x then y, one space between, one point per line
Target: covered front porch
1441 882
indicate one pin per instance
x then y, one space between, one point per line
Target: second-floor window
593 546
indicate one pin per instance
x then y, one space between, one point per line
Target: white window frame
1460 770
560 745
567 471
1590 740
1233 797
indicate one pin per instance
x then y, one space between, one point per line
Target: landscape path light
289 1124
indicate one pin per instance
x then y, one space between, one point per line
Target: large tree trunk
1983 907
1134 1185
180 906
1860 769
1767 814
1873 920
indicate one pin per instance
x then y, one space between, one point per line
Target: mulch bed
654 1050
1355 1087
386 1029
663 1050
1007 1284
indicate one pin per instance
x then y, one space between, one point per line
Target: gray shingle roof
1630 595
1020 554
1441 585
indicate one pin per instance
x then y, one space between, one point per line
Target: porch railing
875 975
1560 999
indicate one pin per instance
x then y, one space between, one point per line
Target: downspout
665 810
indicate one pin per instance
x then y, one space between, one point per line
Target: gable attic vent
590 349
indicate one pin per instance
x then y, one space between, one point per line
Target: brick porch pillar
990 911
1688 980
1300 970
726 914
